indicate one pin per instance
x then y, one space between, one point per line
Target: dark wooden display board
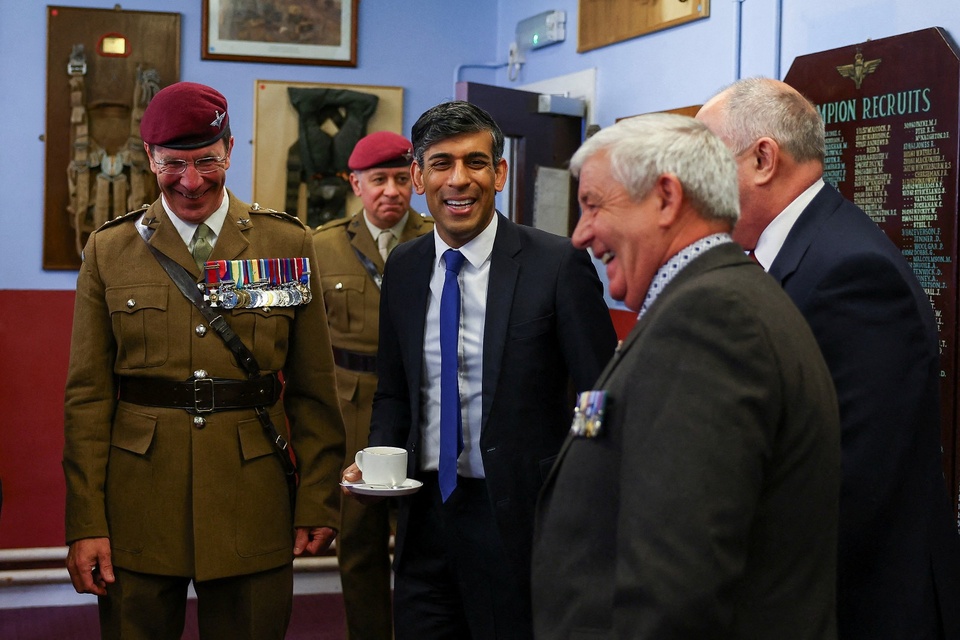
150 39
892 122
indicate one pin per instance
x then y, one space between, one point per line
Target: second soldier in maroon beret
351 254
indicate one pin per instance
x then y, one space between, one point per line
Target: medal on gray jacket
588 414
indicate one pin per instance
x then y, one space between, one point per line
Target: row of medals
289 294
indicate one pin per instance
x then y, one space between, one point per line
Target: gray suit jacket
707 506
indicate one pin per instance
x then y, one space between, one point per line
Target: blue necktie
451 429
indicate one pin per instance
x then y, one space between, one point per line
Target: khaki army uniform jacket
352 301
176 498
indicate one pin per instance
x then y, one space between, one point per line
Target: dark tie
201 244
451 428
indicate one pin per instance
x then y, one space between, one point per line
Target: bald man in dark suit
899 552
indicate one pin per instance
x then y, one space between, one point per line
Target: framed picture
322 32
276 129
93 171
605 22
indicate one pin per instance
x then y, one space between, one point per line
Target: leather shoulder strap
245 358
370 268
191 292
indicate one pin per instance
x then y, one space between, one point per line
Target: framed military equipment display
892 113
103 67
303 134
286 31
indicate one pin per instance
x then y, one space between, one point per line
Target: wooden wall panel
604 22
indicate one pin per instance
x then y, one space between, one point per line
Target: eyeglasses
202 165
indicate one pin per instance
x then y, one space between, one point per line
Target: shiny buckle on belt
201 383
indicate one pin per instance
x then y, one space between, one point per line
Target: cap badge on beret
178 117
381 149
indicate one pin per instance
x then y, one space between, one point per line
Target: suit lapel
722 256
804 230
416 289
504 271
617 358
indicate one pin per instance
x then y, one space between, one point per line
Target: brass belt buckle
201 383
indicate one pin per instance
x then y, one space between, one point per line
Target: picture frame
275 129
606 22
105 117
317 32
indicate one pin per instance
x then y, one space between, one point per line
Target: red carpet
315 617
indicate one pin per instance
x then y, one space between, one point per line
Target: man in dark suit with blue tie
531 320
899 553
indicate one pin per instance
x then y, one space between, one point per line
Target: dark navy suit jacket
546 325
899 562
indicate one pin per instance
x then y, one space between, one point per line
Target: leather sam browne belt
355 361
201 394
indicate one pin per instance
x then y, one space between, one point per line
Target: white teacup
383 465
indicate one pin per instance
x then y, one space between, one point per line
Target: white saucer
406 487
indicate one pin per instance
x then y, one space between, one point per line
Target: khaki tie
386 241
201 244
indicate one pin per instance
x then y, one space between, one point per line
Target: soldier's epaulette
332 224
129 215
255 208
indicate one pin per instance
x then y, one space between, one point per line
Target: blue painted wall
685 65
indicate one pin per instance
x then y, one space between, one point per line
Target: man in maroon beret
351 254
172 476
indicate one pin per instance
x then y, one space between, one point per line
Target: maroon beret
185 115
381 149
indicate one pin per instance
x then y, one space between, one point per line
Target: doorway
540 148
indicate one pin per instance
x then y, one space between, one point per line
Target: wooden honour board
892 120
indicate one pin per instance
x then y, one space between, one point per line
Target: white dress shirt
187 229
474 278
772 238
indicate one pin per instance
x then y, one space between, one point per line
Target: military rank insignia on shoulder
129 215
332 224
261 283
255 208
